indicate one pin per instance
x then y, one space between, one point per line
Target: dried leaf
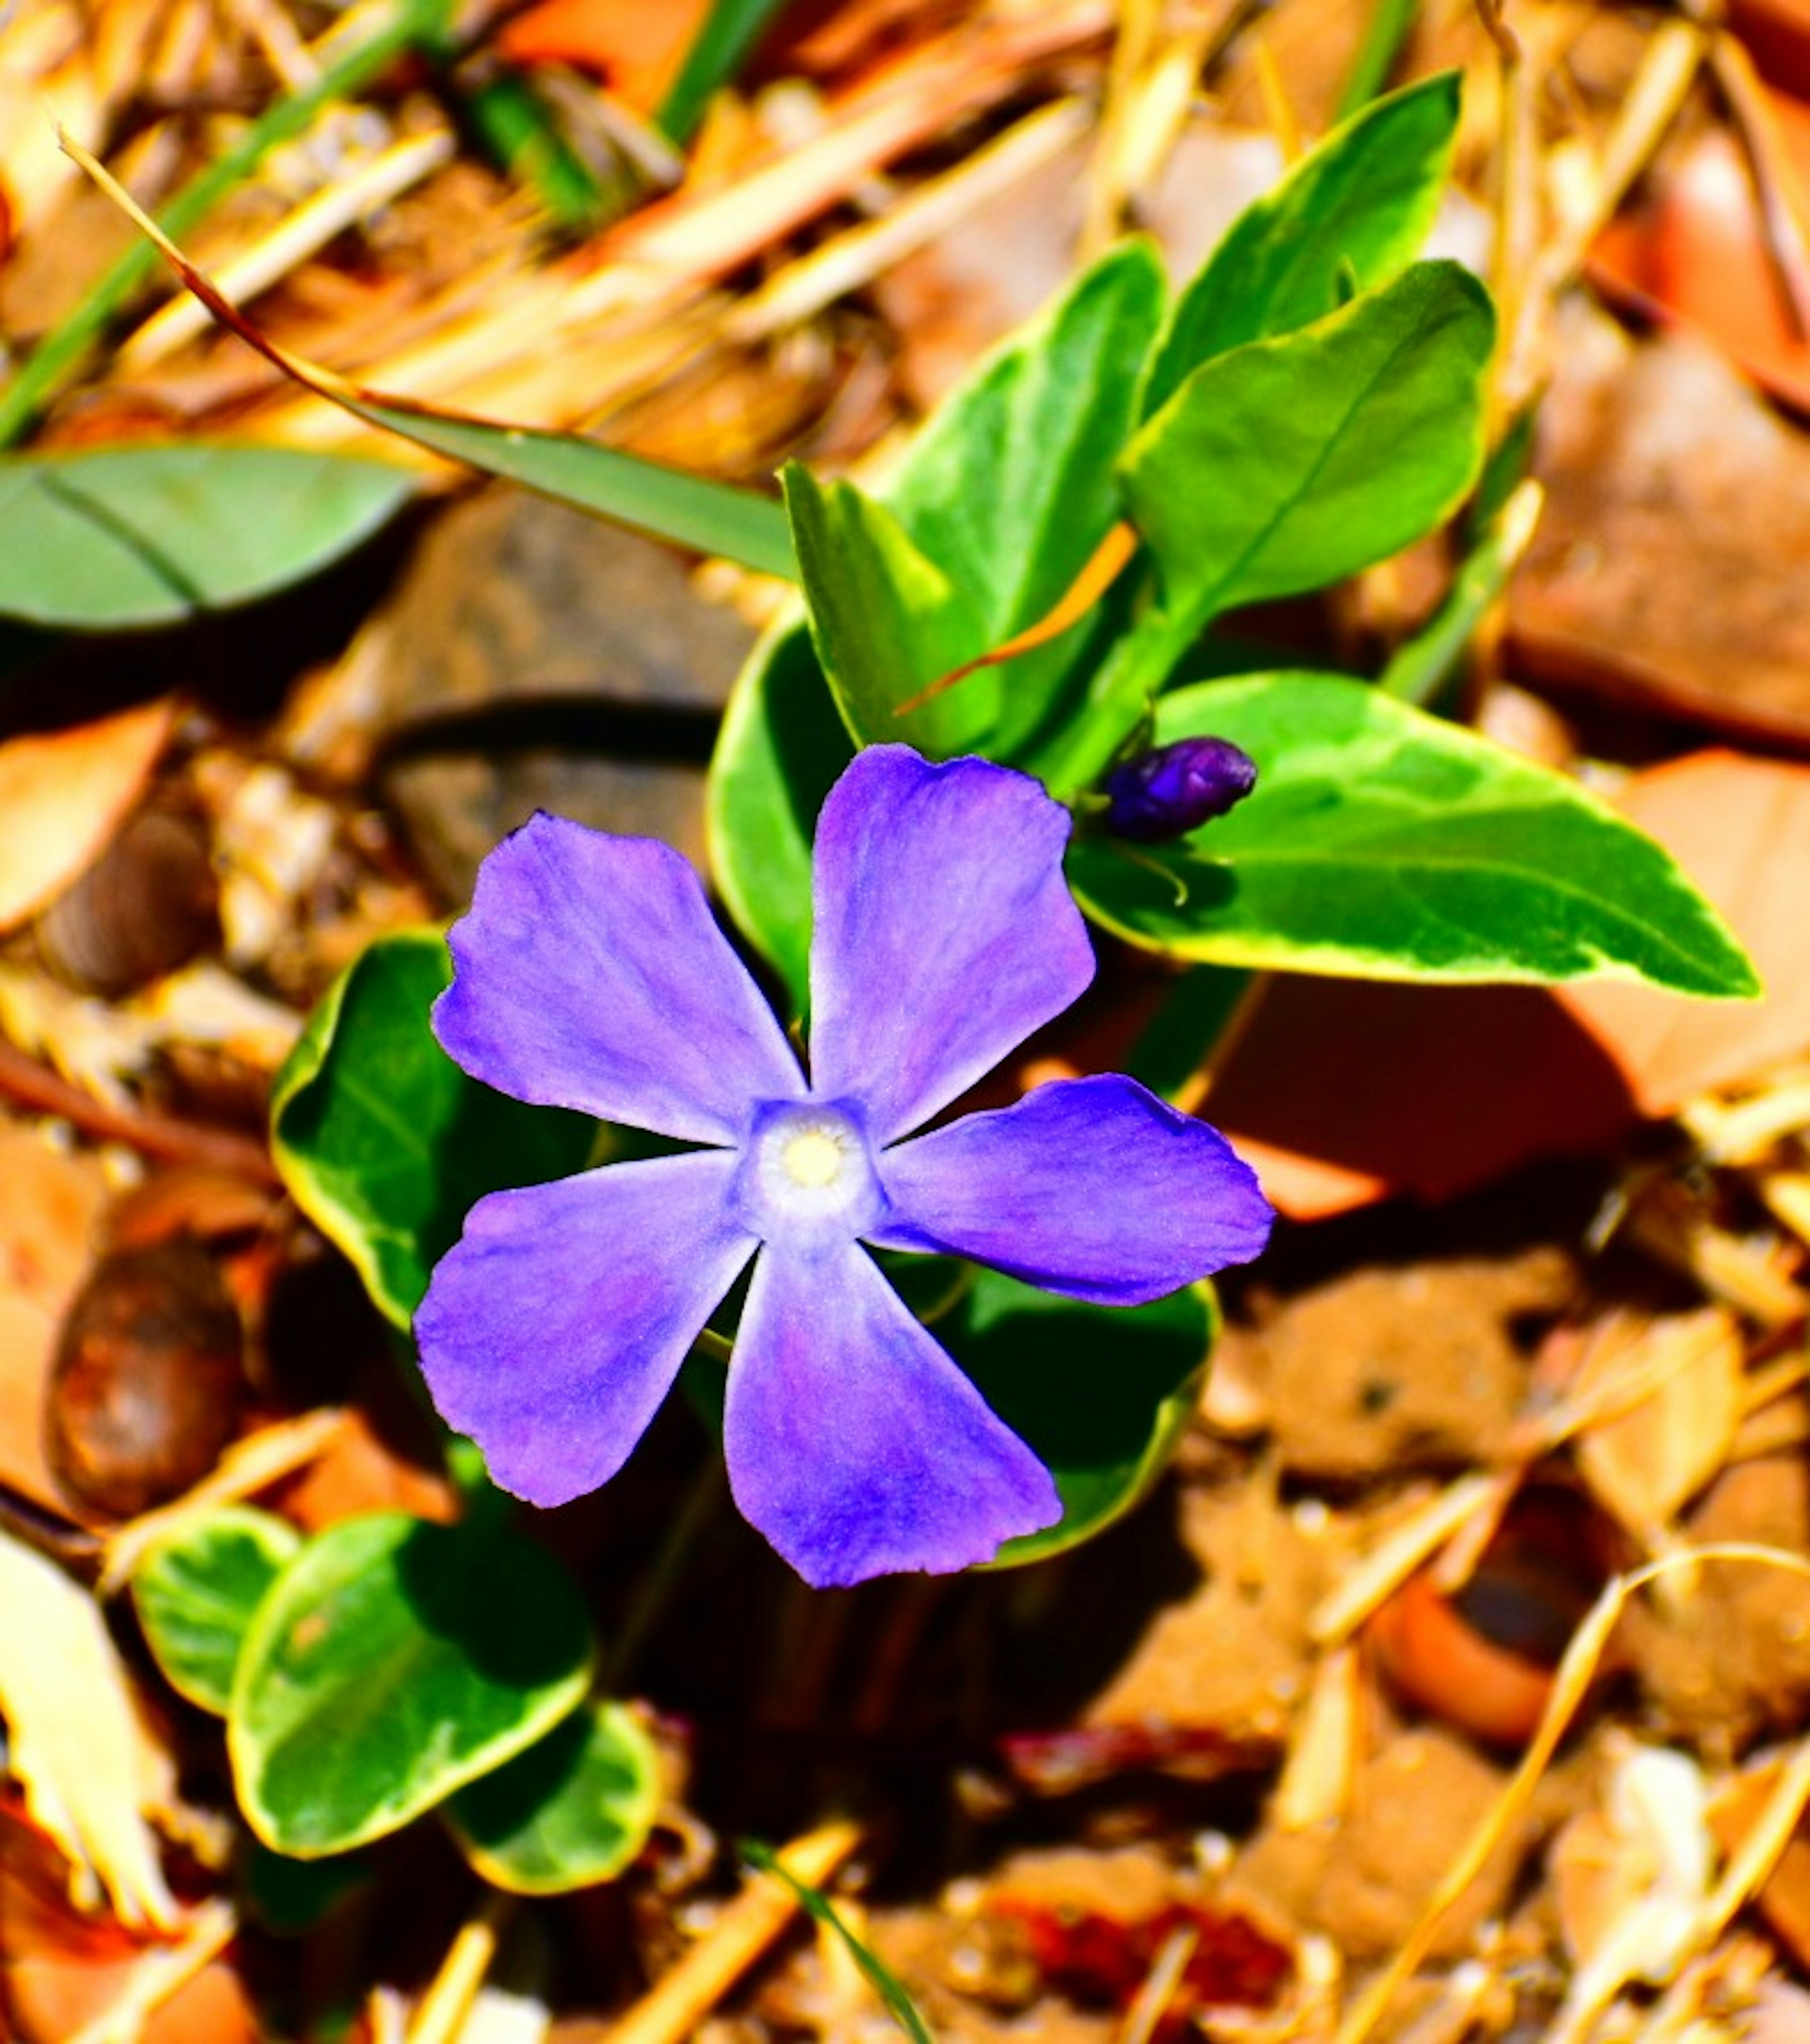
1740 827
1672 1391
1665 570
1632 1880
89 1771
50 1206
63 795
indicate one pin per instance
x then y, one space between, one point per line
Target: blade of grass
815 1903
729 32
693 511
1390 23
408 24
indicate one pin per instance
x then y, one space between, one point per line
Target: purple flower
1172 789
589 974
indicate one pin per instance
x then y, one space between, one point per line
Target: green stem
60 354
729 34
657 1578
1137 667
1390 22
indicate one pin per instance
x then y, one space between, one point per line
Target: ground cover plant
584 1317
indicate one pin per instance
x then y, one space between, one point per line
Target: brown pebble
148 1381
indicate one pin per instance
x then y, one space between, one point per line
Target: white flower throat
807 1174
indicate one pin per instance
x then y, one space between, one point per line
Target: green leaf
1008 491
196 1589
1385 845
1010 487
778 755
884 621
1385 34
817 1905
1289 463
383 1142
730 31
101 539
291 1896
1104 1394
672 504
573 1810
1359 206
392 1662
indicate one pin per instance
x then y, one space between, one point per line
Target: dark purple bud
1174 789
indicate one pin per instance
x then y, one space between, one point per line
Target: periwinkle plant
589 974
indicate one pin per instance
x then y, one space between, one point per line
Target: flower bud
1172 789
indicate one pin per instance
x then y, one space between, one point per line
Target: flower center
806 1175
815 1156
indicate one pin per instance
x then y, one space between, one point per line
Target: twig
673 2011
441 2017
165 1137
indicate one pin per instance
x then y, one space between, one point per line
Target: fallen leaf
73 1979
1343 1092
1776 33
50 1208
63 795
1740 828
636 49
1697 256
1647 1459
1631 1878
89 1769
1666 568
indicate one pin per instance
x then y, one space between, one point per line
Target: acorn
148 1383
150 903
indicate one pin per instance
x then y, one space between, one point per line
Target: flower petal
553 1329
590 973
854 1444
944 933
1091 1187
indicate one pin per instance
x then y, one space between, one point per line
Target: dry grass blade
1400 1552
1576 1672
247 1467
672 2010
303 233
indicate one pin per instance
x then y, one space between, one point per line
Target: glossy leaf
392 1662
1384 843
382 1140
196 1589
1103 1394
1292 462
105 538
1352 213
778 754
1009 486
573 1810
885 621
1008 491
